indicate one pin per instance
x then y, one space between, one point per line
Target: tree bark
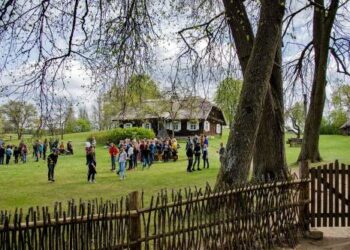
242 137
322 27
269 155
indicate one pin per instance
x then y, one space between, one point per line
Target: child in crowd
8 154
189 153
205 156
197 156
122 162
2 154
51 164
91 165
113 152
16 154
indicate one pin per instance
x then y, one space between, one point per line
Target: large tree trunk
322 27
242 137
269 156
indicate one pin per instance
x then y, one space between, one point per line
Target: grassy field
26 185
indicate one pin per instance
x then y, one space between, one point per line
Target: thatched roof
345 125
190 108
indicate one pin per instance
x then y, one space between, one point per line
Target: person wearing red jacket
113 151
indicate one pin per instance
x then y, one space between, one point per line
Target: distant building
186 117
345 128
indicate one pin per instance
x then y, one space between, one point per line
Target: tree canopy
227 97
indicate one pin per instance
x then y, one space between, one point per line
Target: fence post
135 226
304 175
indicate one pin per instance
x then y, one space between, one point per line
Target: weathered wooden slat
325 196
343 188
337 191
318 199
331 195
313 196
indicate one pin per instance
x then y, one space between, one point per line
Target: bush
329 128
115 135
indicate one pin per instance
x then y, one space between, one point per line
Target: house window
218 128
192 126
175 125
128 125
147 125
168 125
206 126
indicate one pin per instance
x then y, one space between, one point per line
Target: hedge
115 135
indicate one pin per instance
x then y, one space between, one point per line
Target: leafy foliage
19 116
296 115
227 96
118 134
138 88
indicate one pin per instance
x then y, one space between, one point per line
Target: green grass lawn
26 185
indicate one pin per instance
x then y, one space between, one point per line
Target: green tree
337 118
19 115
141 87
118 98
341 98
296 115
227 97
69 120
82 125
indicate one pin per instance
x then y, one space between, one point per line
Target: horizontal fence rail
330 195
245 217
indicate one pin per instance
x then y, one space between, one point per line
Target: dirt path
334 239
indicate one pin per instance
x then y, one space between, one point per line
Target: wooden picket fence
330 195
254 216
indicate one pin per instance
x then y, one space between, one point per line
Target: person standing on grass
41 150
87 150
122 161
8 154
188 143
51 164
189 153
130 154
91 165
205 156
16 154
206 141
135 146
145 155
113 152
70 147
2 154
24 152
197 156
152 151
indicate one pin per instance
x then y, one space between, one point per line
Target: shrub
115 135
329 128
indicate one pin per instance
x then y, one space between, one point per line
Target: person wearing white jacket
131 157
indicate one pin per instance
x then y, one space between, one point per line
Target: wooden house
345 128
185 117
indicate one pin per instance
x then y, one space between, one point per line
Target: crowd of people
39 151
197 147
127 154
